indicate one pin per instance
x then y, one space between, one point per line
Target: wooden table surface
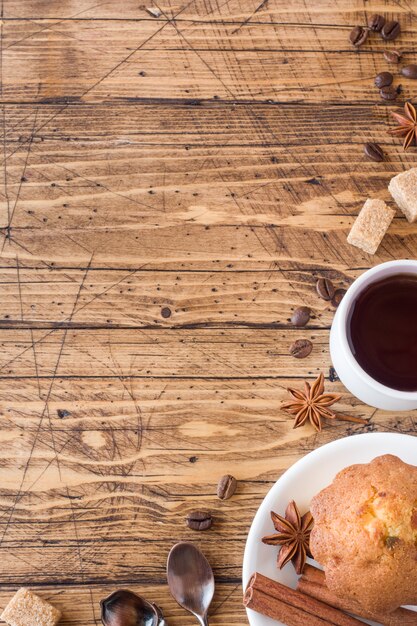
171 189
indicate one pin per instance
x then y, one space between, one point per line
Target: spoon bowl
190 580
126 608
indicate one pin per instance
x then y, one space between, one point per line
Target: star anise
407 125
293 535
312 405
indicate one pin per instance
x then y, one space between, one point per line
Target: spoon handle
203 620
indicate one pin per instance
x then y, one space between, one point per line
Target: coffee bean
392 56
226 487
374 152
383 79
376 22
388 93
391 30
409 71
301 348
325 288
338 297
301 316
199 520
358 35
333 377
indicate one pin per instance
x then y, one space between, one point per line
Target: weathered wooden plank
45 297
192 127
230 352
178 405
80 604
320 12
136 187
46 61
206 248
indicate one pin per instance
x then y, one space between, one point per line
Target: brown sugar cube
371 225
28 609
403 189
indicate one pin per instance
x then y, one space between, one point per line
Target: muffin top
365 533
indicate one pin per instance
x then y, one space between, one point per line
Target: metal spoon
125 608
191 580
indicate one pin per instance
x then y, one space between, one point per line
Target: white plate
300 483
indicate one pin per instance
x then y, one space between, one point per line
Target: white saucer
300 483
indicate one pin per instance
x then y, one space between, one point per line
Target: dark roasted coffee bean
374 152
383 79
199 520
325 288
333 377
226 487
409 71
388 93
392 56
376 22
338 297
301 316
301 348
391 30
358 35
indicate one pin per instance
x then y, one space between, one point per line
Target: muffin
365 533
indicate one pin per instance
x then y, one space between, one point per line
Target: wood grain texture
216 186
43 298
214 353
326 11
170 190
168 58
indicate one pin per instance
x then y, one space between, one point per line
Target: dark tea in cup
382 331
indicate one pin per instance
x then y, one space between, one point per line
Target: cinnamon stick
277 609
275 600
313 583
351 418
314 574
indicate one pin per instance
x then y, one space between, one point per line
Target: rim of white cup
379 271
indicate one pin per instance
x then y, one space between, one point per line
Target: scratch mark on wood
19 286
22 178
133 52
248 19
19 494
49 26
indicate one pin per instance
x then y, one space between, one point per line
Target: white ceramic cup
355 379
